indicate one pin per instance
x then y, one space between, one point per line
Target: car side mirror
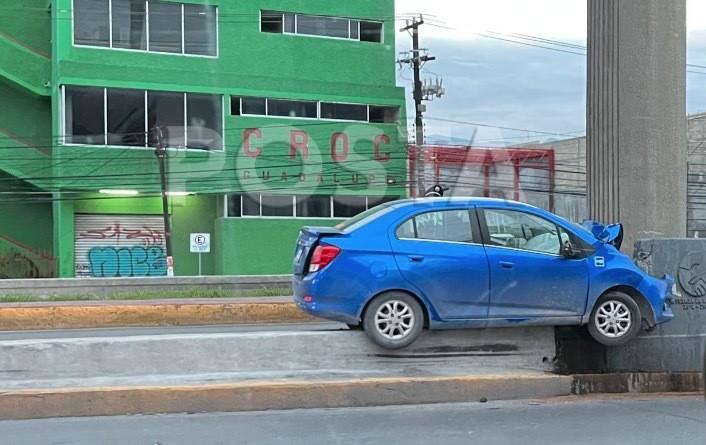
568 251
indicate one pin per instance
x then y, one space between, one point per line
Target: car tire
393 320
615 319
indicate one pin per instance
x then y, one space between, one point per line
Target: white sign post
200 244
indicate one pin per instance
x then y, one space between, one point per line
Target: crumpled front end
659 292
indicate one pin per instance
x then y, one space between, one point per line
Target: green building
275 113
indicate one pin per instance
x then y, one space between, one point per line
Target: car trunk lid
308 238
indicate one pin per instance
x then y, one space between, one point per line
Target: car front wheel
615 319
393 320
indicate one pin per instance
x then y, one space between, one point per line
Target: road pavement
619 420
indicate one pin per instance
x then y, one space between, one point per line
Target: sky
500 93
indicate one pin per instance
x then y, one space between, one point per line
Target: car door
441 254
529 278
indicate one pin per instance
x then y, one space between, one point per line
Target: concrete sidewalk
177 312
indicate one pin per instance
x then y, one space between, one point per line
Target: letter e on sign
200 242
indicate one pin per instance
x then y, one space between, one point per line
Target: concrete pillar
636 116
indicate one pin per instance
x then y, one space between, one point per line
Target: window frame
486 233
349 19
147 32
65 135
476 233
234 98
294 206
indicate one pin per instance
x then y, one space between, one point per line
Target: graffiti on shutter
113 246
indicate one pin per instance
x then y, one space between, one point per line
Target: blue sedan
444 263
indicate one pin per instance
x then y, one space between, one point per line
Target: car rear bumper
309 298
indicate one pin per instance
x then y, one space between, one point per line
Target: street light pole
161 154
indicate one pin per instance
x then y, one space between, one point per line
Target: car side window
446 225
518 230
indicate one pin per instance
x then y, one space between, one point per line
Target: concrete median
105 314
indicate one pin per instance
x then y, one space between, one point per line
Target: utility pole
161 154
417 60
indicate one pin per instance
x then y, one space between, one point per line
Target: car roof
461 200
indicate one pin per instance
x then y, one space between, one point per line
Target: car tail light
322 257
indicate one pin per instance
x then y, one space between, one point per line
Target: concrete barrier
677 346
198 358
106 287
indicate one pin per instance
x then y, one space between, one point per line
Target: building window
92 22
84 115
370 32
260 106
129 24
292 108
166 27
129 122
384 115
166 111
314 206
321 26
288 206
199 30
348 206
204 119
126 117
276 205
345 112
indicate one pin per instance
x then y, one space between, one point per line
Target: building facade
274 114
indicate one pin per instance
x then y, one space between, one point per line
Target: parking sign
200 243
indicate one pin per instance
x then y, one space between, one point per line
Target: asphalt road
643 420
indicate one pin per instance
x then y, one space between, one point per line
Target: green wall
250 63
259 246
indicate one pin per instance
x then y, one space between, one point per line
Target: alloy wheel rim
613 319
394 319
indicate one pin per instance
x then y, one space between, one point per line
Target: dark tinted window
349 112
166 111
129 24
126 117
348 206
84 116
165 27
273 205
233 210
291 108
322 26
271 22
204 121
384 115
251 205
200 30
377 200
254 105
447 225
91 22
371 32
314 206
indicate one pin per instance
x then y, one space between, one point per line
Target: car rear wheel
615 319
393 320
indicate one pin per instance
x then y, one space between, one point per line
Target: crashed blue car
443 263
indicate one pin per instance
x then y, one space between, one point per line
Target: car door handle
416 258
507 265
